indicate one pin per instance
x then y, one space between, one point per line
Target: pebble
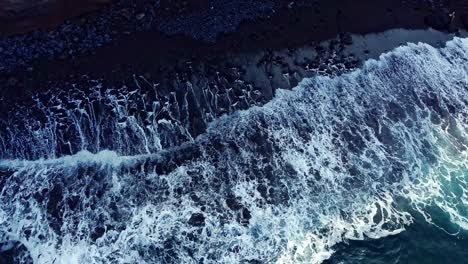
86 34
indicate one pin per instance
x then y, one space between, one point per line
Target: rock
21 16
197 219
232 203
12 81
464 19
98 232
439 20
246 216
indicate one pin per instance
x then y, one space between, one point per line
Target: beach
231 132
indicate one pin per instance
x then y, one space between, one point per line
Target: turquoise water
419 243
438 206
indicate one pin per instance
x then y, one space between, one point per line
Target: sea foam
349 158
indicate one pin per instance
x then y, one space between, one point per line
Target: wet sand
265 42
288 28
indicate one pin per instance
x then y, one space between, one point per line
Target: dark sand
305 25
288 28
23 16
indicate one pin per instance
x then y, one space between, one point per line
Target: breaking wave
333 160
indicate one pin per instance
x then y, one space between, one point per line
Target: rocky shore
23 16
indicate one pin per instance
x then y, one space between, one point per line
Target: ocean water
367 167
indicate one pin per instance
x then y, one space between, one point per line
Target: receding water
368 167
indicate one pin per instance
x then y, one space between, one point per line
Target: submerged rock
197 219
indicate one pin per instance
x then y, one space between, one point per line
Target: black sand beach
274 50
240 52
156 49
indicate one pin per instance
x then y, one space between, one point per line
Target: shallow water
367 167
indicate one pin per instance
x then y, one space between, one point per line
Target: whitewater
335 159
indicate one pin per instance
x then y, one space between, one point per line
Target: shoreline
261 51
237 81
215 145
184 36
174 99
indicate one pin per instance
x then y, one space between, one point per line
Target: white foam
341 153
